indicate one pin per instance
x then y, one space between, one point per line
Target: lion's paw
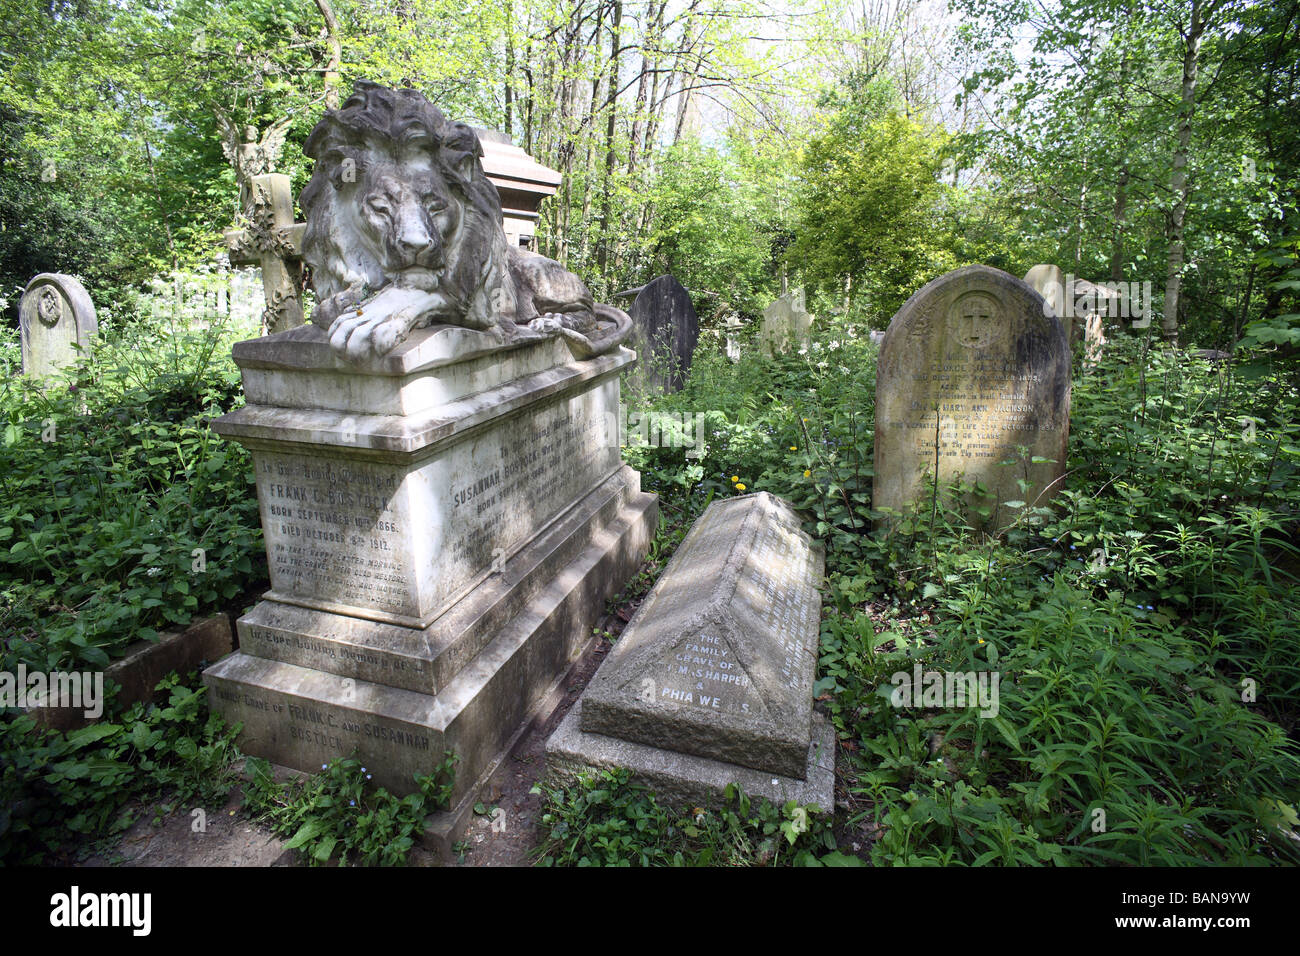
359 336
549 322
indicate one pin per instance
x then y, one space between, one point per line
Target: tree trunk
606 202
1178 182
336 54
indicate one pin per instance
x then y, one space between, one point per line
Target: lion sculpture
404 231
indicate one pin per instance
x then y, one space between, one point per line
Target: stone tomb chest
711 682
973 379
443 525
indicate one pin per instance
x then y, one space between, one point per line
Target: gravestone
786 324
733 325
665 333
711 681
973 368
441 493
56 318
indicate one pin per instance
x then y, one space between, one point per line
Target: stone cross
273 241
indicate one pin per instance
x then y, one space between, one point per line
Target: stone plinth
443 525
715 671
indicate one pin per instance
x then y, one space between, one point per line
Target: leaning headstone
442 497
711 681
57 323
786 324
665 333
973 380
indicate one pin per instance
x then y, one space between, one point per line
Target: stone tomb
443 525
972 368
665 333
56 319
711 682
1080 305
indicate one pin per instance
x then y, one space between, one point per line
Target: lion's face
398 198
407 219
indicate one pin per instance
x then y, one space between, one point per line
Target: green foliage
607 818
868 206
112 481
59 787
713 228
339 814
1145 628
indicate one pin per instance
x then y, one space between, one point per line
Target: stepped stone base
524 627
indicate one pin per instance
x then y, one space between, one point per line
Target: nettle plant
607 818
339 815
121 513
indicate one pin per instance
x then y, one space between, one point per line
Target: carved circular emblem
975 319
50 306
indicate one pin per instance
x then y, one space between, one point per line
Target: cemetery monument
441 492
665 331
56 319
711 681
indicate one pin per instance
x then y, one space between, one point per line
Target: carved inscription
333 530
973 380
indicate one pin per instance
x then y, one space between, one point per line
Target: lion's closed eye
378 205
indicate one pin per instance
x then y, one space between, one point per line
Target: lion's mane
378 125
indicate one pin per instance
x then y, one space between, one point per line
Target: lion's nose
414 244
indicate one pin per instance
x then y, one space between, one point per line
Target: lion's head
399 197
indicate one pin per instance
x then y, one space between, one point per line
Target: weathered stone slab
718 661
666 331
974 372
146 663
56 318
681 780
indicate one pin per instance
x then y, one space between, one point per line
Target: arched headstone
55 316
973 368
786 324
